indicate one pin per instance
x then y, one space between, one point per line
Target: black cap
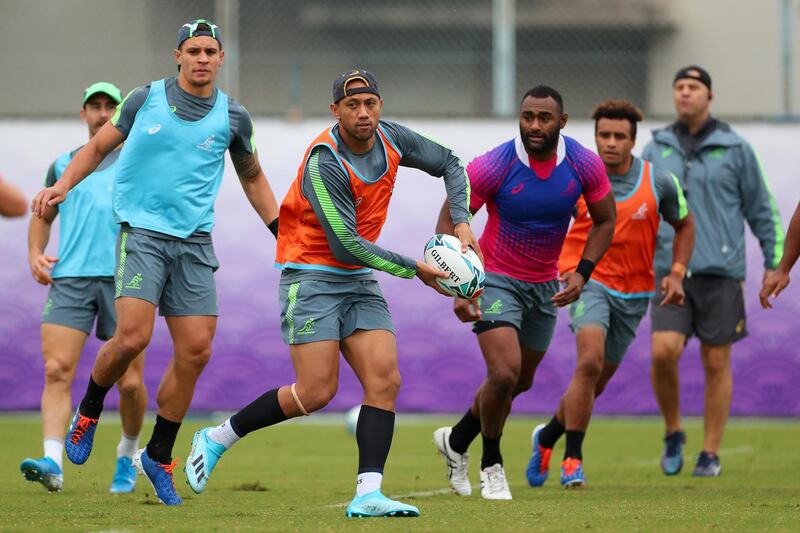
190 29
340 89
693 72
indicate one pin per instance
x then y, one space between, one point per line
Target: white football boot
457 463
493 483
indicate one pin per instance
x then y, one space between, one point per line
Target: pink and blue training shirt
530 204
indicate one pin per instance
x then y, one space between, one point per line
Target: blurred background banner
453 69
440 361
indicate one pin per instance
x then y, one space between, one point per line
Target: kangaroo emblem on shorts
136 282
308 328
495 308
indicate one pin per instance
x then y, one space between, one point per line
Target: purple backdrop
439 358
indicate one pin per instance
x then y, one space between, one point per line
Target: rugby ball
466 273
351 419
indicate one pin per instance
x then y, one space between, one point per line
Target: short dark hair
618 110
545 91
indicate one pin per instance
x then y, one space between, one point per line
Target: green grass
300 475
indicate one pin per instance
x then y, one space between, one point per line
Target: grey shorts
315 310
75 302
524 305
177 275
618 317
713 310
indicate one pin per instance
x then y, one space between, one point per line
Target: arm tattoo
246 165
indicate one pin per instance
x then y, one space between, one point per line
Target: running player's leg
372 354
61 350
316 366
135 320
671 326
142 270
132 408
721 322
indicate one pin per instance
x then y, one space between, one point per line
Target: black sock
464 432
551 433
92 402
262 412
574 443
163 439
374 432
491 452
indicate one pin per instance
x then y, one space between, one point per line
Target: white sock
224 434
127 446
54 449
368 482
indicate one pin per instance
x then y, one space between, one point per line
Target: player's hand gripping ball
467 276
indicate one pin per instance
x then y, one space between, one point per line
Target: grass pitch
300 475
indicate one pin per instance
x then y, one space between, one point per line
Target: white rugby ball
466 273
351 419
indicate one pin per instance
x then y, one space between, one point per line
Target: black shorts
713 310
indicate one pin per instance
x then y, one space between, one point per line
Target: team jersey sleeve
127 109
51 177
242 133
671 200
426 154
327 188
592 173
759 207
483 181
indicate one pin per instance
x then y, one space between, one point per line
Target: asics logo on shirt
570 190
155 129
359 200
518 188
206 145
641 213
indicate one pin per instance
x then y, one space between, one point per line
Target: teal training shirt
87 232
170 169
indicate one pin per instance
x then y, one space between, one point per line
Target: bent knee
315 397
56 370
505 380
590 367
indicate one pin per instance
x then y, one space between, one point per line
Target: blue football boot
80 438
202 460
707 465
124 480
160 477
672 460
376 504
572 473
45 471
539 465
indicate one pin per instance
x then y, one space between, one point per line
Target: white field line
418 494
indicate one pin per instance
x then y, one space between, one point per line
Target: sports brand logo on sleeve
155 129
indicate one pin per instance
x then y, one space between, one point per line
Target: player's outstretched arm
604 217
38 236
776 281
12 201
682 246
84 163
257 189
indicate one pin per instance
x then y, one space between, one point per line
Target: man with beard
530 186
81 279
177 131
614 301
330 300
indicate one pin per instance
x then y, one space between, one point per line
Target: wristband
585 269
273 227
679 269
